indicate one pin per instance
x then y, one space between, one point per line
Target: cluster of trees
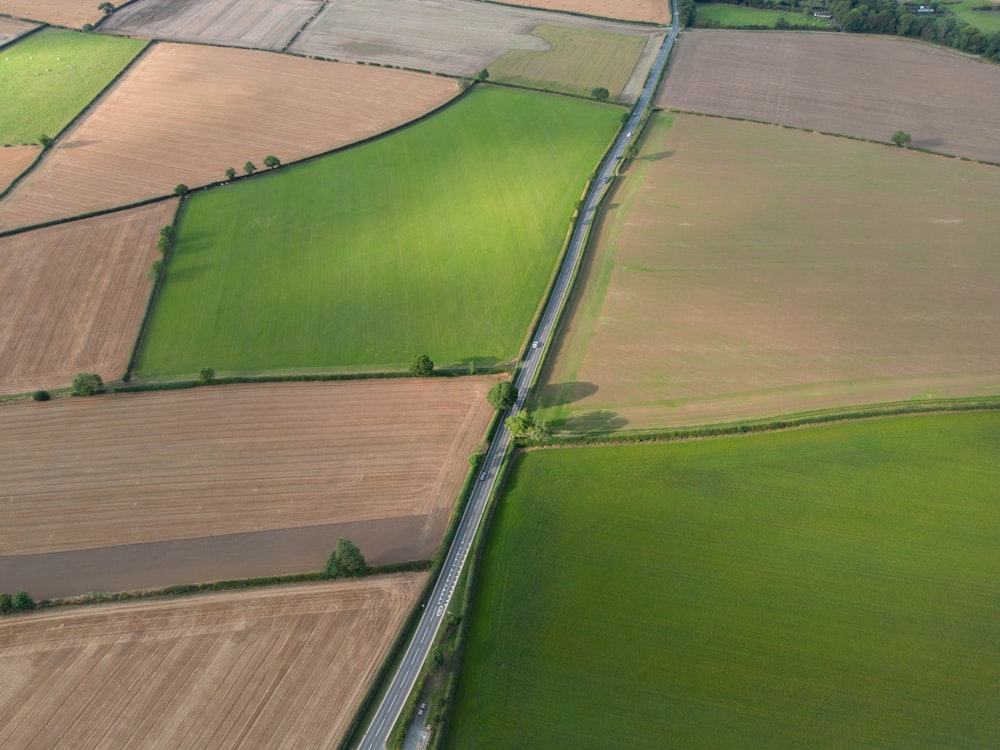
346 561
20 602
523 425
270 161
502 395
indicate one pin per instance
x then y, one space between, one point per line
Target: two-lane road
436 608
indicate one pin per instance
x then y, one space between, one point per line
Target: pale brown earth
80 473
650 11
71 13
863 86
266 668
746 271
459 37
72 297
264 24
12 28
184 113
13 161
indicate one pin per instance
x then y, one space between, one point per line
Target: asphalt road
436 608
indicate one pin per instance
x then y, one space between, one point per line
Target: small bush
207 375
41 395
181 189
22 602
6 604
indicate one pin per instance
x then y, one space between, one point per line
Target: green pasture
741 15
578 61
836 587
438 239
985 20
50 76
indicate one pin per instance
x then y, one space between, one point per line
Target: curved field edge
674 593
285 665
746 271
52 75
438 239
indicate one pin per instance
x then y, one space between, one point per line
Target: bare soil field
143 467
648 11
69 13
185 113
13 161
459 37
72 297
748 270
264 24
276 668
12 28
863 86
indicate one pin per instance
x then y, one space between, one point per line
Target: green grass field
836 587
438 239
987 20
50 76
579 61
740 15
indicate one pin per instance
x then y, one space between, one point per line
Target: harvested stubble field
71 13
747 270
458 37
646 11
12 28
49 77
823 588
863 86
577 61
264 24
185 113
141 467
13 161
72 297
275 668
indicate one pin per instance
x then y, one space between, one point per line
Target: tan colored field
112 470
185 113
864 86
72 297
749 270
71 13
13 161
268 668
11 28
650 11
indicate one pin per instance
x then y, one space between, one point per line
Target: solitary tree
23 602
181 189
901 139
346 561
271 161
87 384
249 167
600 93
482 75
502 395
422 366
106 8
207 374
632 152
41 395
6 604
46 140
155 270
230 173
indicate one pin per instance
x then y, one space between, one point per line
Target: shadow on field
657 156
183 274
557 394
595 423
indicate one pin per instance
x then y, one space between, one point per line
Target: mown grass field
439 239
578 61
49 77
739 15
823 588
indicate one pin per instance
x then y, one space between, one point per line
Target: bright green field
578 61
836 587
438 239
987 20
47 78
739 15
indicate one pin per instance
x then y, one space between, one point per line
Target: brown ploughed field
71 13
72 297
863 86
648 11
13 161
265 668
80 473
185 113
11 28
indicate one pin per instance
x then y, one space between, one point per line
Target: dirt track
72 297
267 668
185 113
864 86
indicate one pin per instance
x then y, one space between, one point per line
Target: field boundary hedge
577 14
41 25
